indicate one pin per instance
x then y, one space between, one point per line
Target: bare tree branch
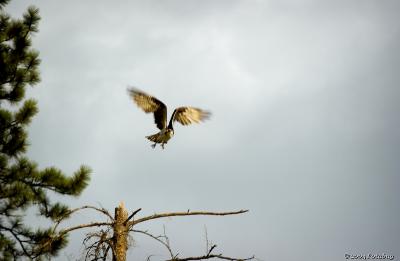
220 256
206 237
101 246
167 239
94 224
101 210
174 257
209 256
133 214
156 238
211 249
187 213
103 241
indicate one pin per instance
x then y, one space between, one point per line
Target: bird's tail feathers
154 137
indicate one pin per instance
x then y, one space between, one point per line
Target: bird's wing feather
189 115
150 104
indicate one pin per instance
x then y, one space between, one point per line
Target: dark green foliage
22 184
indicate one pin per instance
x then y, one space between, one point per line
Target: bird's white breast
166 134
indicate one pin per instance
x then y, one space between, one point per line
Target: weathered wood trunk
120 239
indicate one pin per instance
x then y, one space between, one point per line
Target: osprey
184 115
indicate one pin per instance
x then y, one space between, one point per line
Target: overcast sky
305 128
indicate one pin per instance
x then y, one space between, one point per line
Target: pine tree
22 184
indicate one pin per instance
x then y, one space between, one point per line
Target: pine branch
22 185
15 235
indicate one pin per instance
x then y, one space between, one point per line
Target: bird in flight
184 115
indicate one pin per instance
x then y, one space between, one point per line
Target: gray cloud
304 131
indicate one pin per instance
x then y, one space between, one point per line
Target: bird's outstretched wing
189 115
150 104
